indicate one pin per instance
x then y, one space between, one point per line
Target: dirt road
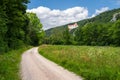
36 67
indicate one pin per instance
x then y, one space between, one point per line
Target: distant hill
103 18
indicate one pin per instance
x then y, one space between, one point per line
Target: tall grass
10 65
92 63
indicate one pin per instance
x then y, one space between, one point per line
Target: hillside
103 18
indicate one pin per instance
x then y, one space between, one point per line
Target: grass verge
92 63
10 64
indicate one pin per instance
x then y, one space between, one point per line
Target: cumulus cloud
98 11
52 18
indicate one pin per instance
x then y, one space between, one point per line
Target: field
10 65
92 63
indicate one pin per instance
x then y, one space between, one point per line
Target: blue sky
91 5
94 7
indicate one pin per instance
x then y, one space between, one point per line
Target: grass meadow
90 62
10 65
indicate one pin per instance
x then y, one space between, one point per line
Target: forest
97 31
17 27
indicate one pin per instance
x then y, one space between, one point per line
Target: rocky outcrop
116 16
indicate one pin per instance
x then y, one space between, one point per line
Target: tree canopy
16 27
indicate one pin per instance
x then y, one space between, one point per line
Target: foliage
99 34
103 18
92 63
3 27
12 21
93 33
16 22
96 31
16 28
35 32
116 33
10 64
67 37
118 16
59 37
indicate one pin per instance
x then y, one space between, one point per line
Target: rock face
116 16
72 26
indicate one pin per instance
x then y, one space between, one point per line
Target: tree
3 26
116 33
67 37
15 11
56 37
94 34
12 24
118 16
79 36
35 31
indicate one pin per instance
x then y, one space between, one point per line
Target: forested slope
103 18
98 31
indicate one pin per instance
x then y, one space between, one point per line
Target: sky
54 13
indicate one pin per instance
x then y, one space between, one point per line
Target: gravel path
36 67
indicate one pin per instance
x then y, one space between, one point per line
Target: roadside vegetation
17 30
92 63
10 64
17 27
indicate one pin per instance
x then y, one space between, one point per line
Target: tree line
18 28
99 34
92 33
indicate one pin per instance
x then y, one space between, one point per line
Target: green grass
10 65
92 63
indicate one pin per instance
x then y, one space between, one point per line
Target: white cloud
52 18
98 11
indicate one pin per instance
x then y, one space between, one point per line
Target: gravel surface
36 67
